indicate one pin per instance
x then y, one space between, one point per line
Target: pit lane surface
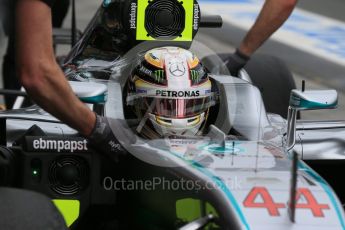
331 8
332 78
312 44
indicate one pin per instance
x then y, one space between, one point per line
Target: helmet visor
175 108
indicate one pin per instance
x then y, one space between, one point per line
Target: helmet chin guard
180 127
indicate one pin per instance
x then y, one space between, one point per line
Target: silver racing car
202 149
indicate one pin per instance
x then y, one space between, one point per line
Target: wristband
100 130
239 53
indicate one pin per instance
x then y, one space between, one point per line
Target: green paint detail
192 72
69 210
190 209
100 99
187 34
159 74
141 31
188 31
195 75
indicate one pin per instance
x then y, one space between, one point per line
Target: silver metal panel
242 108
321 140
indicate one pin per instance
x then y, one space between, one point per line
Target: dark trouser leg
9 71
59 12
10 79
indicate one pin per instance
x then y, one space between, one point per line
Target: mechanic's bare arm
273 14
38 71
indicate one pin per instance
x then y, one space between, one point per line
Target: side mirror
313 99
90 92
307 100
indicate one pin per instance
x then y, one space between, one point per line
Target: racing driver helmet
170 93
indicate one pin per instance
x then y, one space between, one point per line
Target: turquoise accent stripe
304 104
313 105
225 190
106 3
222 186
95 100
327 189
228 149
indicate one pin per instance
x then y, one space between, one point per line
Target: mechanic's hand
235 62
103 139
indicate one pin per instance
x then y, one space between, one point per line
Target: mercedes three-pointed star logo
177 69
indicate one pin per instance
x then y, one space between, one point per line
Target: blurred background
312 42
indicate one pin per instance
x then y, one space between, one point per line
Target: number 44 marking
268 203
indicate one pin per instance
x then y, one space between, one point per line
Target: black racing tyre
275 81
269 74
29 210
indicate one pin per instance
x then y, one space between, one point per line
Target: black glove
103 139
235 62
